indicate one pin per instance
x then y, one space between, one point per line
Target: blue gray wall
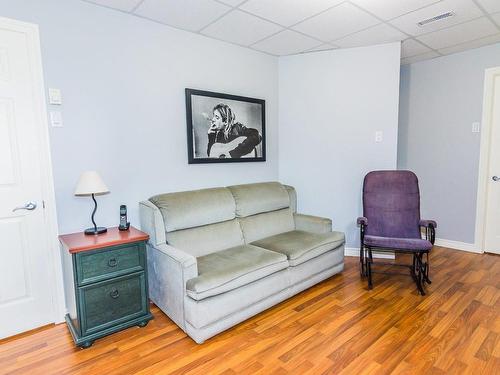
331 105
122 80
439 101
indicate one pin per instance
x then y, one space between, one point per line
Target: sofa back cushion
257 227
207 239
195 208
252 199
292 194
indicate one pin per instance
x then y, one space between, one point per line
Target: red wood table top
77 242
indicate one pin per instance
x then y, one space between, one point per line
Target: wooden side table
106 283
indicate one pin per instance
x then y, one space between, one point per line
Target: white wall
440 99
122 80
331 104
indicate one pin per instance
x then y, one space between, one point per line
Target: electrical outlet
56 119
379 136
55 97
476 126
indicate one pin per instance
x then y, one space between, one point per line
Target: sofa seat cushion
410 244
229 269
300 246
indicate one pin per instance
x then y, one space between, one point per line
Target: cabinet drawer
106 263
112 302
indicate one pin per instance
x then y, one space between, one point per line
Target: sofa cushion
292 195
300 246
231 268
267 224
254 199
207 239
195 208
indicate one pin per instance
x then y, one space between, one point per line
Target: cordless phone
124 225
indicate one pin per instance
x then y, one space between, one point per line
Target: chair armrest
427 223
169 269
430 229
313 224
362 221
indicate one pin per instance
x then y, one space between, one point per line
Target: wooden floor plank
335 327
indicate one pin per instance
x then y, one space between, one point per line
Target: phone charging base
126 227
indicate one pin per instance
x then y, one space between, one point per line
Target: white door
26 266
492 222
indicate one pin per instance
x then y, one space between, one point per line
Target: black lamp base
95 231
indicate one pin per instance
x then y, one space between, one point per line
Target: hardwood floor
336 327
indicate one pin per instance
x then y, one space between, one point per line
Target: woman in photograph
230 139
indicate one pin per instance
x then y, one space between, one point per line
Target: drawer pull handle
114 293
112 262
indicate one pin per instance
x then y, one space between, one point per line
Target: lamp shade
90 183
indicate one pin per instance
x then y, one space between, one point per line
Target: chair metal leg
419 269
362 269
420 274
413 268
426 273
369 261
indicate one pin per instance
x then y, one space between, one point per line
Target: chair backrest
391 203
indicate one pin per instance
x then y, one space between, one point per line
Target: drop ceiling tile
241 28
232 3
322 47
381 33
491 6
286 42
392 8
190 15
465 32
496 18
424 56
287 12
464 10
337 22
125 5
411 47
470 45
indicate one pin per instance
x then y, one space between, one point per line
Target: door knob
30 206
495 178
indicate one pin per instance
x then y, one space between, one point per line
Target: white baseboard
354 252
457 245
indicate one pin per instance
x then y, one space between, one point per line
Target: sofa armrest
152 222
314 224
168 271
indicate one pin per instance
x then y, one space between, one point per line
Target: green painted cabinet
105 283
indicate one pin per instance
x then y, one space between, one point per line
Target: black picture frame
196 143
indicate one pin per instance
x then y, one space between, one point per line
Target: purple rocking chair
391 222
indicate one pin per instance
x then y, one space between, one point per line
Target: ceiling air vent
434 19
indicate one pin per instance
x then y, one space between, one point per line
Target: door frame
49 201
484 157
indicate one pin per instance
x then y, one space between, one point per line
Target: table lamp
90 183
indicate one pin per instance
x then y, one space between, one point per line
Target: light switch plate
56 119
55 97
476 126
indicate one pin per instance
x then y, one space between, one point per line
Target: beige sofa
219 256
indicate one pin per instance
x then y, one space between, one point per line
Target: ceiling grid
285 27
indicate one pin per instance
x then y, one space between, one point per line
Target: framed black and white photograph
223 128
